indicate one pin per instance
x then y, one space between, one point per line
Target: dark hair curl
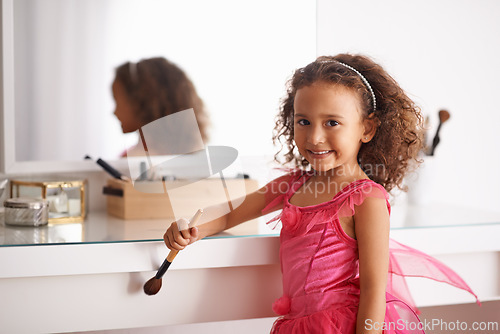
394 149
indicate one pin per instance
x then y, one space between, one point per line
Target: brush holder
142 200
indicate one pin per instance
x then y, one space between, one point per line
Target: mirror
238 55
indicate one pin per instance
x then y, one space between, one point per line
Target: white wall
445 54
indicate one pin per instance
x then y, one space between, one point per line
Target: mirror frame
7 156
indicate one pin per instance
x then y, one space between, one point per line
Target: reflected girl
150 89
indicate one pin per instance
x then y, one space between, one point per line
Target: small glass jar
26 212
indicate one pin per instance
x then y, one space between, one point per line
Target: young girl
354 134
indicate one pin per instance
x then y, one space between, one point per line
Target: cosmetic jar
26 212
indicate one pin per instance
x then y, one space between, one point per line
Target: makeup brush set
183 183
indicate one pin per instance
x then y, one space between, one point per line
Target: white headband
367 84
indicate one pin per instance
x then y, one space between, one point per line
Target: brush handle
436 139
164 266
173 253
116 174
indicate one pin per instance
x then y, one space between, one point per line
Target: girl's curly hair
158 88
394 149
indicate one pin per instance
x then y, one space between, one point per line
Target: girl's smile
321 154
328 126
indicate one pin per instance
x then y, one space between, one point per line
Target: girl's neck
341 174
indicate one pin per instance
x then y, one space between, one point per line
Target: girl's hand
178 240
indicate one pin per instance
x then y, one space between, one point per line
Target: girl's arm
213 221
371 223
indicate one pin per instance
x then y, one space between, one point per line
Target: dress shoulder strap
356 192
278 191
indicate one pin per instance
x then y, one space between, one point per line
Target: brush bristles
152 286
444 115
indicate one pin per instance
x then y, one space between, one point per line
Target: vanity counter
97 284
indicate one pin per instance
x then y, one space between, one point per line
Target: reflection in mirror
238 56
155 89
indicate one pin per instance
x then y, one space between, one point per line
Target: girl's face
328 126
124 109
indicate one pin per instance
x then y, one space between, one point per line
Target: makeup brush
108 168
152 286
444 115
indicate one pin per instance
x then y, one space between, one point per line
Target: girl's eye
303 122
332 123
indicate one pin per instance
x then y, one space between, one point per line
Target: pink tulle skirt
330 321
341 318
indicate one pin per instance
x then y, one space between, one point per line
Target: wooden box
172 199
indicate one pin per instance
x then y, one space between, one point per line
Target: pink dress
319 263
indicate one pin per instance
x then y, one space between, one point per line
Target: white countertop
106 237
99 227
